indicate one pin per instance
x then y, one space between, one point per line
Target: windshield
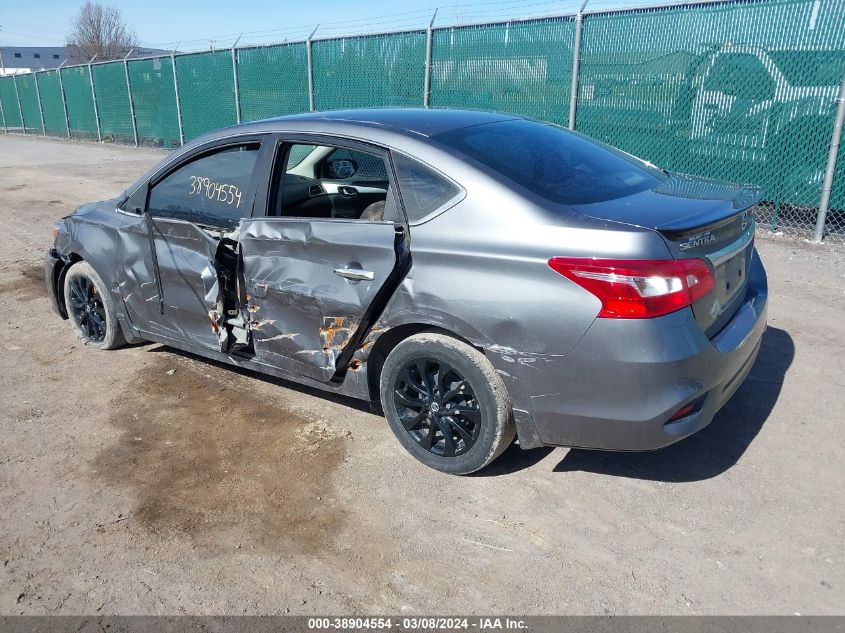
559 165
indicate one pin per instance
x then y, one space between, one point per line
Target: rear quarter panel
482 268
480 271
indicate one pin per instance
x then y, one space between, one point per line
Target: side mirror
341 168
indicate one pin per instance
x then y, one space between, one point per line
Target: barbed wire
448 16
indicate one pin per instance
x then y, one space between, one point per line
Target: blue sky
163 23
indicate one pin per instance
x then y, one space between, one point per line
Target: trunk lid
697 218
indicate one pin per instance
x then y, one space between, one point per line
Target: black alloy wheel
437 407
86 306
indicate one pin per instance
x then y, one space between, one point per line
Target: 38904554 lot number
219 191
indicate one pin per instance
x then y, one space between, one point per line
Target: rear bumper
619 387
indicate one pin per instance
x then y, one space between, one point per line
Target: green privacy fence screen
82 120
206 92
52 106
743 92
360 72
154 99
522 68
11 112
740 90
112 94
28 96
272 80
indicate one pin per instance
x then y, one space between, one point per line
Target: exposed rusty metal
215 321
336 332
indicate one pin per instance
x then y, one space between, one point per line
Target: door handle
347 192
355 273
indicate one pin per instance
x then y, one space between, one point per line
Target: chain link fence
272 80
111 91
28 100
206 88
360 72
743 92
52 103
79 98
521 68
154 100
739 90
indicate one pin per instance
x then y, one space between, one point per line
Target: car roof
402 121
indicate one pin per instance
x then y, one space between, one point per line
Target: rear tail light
638 288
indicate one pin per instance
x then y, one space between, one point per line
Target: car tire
435 388
90 308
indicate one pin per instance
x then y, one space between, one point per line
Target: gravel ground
148 481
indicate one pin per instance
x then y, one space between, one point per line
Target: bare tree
99 30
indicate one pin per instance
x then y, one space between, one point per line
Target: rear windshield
559 165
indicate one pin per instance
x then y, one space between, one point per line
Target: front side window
559 165
212 190
330 182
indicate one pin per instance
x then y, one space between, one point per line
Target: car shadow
513 460
717 447
354 403
708 453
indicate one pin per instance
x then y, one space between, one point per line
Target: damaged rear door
179 278
316 285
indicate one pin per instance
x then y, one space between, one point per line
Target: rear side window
559 165
423 190
211 190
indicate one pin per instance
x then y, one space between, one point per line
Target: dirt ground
148 481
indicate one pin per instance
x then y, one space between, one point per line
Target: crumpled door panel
303 314
188 277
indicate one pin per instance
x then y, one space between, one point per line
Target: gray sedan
485 277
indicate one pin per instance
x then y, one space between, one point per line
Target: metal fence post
64 98
3 114
40 106
310 70
235 78
176 91
576 64
824 204
18 98
129 94
429 40
94 97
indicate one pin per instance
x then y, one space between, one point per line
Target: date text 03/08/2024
417 623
